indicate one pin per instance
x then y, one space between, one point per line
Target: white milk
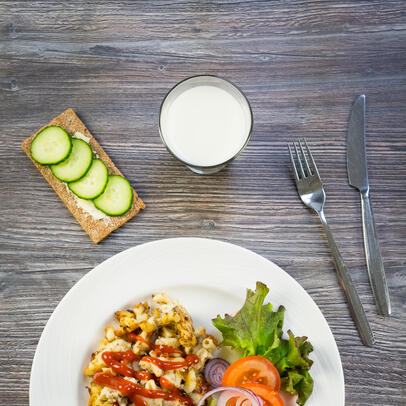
205 125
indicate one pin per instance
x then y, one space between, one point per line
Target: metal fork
311 191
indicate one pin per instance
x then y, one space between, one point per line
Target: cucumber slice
93 183
77 163
51 146
117 197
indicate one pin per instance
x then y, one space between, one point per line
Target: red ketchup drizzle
133 390
144 376
190 360
166 349
133 337
160 349
167 384
112 359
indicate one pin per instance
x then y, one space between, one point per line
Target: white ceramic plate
208 277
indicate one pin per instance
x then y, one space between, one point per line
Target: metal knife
358 178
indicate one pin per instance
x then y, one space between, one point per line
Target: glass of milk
205 122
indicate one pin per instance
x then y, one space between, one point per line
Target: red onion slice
234 392
214 371
231 394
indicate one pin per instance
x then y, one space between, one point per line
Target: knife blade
358 178
356 156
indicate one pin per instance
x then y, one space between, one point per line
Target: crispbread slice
97 229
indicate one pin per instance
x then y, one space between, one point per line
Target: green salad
256 329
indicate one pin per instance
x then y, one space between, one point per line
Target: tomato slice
270 397
252 369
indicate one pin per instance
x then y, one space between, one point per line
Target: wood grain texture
300 63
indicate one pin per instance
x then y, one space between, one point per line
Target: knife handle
345 280
376 272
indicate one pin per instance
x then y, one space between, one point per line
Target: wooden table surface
300 63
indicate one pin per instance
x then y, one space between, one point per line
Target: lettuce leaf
257 330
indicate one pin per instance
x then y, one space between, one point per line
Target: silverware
358 178
311 191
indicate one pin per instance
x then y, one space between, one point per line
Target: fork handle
376 272
344 278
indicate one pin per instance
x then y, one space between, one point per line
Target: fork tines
301 156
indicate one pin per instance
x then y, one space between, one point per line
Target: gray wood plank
300 63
